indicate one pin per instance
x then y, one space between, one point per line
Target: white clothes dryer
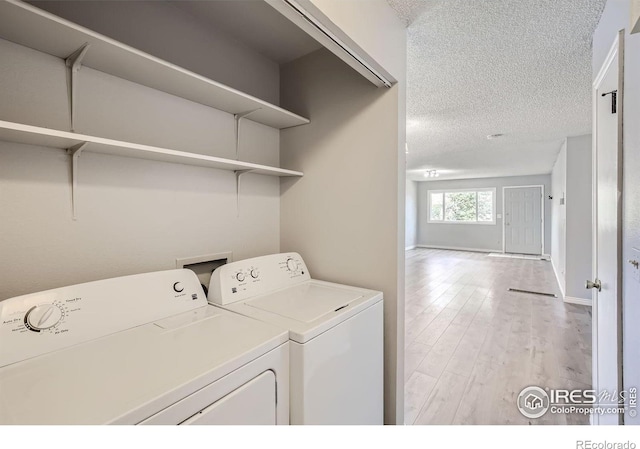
335 332
142 349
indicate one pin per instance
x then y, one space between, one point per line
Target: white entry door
523 220
606 282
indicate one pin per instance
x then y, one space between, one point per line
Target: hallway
472 346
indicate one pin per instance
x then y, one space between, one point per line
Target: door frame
617 49
542 224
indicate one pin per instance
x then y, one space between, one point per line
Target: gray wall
342 215
167 32
571 225
468 236
559 217
411 214
616 17
579 243
348 211
134 215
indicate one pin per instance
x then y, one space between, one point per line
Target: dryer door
254 403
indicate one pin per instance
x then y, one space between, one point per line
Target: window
473 206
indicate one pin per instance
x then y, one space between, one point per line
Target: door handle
595 284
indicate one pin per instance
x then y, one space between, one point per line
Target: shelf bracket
236 118
238 174
74 63
75 152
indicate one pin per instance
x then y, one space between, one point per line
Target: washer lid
306 302
308 309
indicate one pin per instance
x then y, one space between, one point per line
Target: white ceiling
521 68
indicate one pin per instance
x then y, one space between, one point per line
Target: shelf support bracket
238 174
75 152
236 118
74 63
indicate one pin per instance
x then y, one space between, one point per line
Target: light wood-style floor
472 346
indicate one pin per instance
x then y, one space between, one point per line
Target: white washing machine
335 332
143 349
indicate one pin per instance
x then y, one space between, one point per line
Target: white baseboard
460 248
409 248
581 301
557 278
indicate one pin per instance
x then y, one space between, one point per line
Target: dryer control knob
254 274
42 317
292 265
240 276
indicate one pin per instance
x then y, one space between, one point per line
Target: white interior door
606 283
523 220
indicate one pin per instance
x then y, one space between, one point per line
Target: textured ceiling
409 10
521 68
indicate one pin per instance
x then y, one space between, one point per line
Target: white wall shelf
34 135
29 26
76 144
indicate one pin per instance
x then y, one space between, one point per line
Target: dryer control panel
43 322
251 277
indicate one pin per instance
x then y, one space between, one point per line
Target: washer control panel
39 323
251 277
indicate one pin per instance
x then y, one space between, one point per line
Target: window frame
468 190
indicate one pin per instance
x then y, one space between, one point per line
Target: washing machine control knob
292 265
43 316
254 273
240 276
